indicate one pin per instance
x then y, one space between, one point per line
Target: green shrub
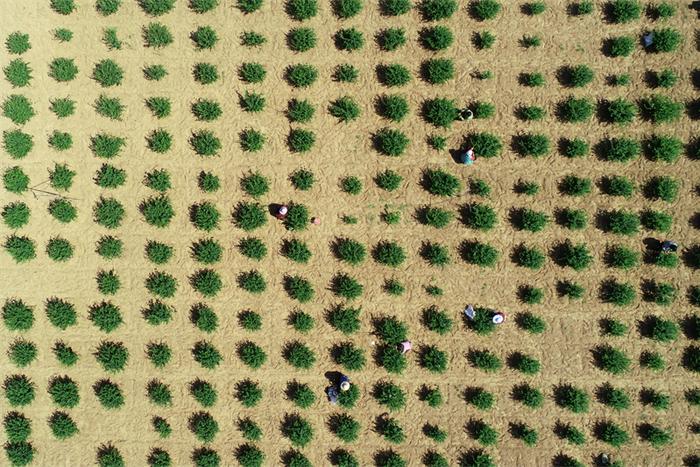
18 73
17 143
252 101
21 248
156 7
108 282
391 358
15 215
110 39
660 109
158 211
59 249
250 320
157 312
154 72
484 144
483 433
351 185
610 433
65 355
436 38
530 113
610 359
20 453
63 108
302 322
251 354
60 141
206 355
652 360
206 110
205 143
483 10
344 319
535 145
388 180
657 221
617 186
249 429
112 356
345 9
205 216
620 111
440 112
620 46
253 248
431 396
654 435
390 395
109 394
296 250
60 313
624 11
665 40
530 41
662 188
390 142
22 352
299 355
63 69
204 37
479 216
249 216
107 7
301 39
158 354
348 356
106 146
435 254
528 396
390 429
206 73
663 148
204 318
158 253
159 141
300 140
433 359
622 222
577 76
346 286
109 176
301 75
437 71
205 457
484 360
252 281
159 393
617 293
18 109
17 427
527 219
108 73
436 10
573 219
666 78
344 109
345 73
391 39
657 400
252 140
301 111
63 7
393 75
297 217
441 183
480 254
301 394
349 39
434 217
255 184
576 256
389 254
204 426
208 182
350 251
249 455
572 398
301 10
297 429
691 358
661 293
19 390
17 43
531 258
344 427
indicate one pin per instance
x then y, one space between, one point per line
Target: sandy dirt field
341 150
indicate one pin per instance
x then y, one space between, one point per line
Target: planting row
615 11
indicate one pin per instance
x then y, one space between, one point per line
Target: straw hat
345 385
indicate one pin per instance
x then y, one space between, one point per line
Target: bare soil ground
341 150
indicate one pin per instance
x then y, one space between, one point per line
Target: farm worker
669 246
405 346
648 39
465 114
468 157
282 212
332 394
469 312
498 318
344 383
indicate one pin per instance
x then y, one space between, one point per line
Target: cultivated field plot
155 312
